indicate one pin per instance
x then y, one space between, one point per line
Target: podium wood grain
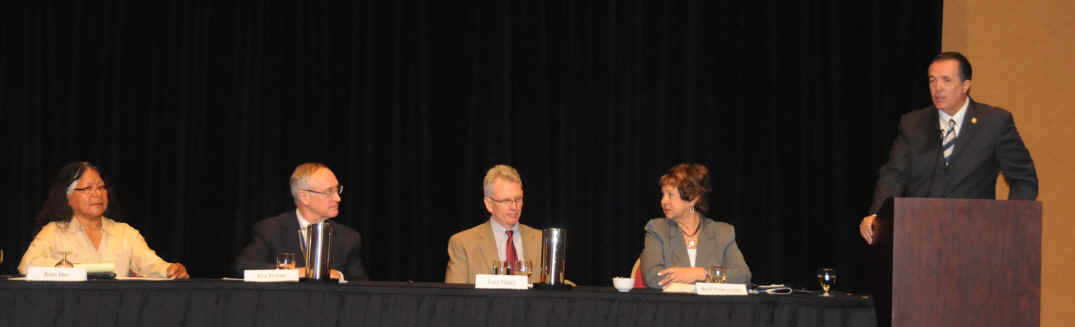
958 262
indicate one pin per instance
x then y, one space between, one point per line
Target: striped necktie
949 142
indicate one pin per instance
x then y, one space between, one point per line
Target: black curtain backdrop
200 110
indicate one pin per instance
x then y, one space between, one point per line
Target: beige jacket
473 251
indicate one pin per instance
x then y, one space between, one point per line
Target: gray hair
71 188
300 178
503 172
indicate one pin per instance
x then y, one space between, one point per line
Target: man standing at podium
953 149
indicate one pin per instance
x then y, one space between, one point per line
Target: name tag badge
720 289
503 282
53 274
271 275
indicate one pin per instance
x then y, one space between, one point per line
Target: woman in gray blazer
680 246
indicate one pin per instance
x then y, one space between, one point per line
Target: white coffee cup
623 284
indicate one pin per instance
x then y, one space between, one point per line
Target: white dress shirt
303 223
120 245
943 118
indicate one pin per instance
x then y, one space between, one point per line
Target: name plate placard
271 275
504 282
720 289
53 274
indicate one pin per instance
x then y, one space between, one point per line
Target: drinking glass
498 267
523 268
510 267
827 278
716 274
63 262
285 260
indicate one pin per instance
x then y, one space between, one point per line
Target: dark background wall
200 110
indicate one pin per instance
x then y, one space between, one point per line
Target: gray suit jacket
988 143
665 248
473 251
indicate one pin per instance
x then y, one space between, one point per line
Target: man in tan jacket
502 238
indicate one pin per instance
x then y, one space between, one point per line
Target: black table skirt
235 303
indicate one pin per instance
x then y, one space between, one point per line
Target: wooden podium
958 262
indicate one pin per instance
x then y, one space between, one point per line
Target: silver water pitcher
318 250
553 258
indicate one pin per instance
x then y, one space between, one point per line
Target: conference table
219 302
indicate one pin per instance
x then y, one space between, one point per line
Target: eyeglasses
93 189
509 202
337 190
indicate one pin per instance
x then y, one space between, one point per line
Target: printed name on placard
271 275
508 282
720 289
56 274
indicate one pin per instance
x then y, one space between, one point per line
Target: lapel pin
974 120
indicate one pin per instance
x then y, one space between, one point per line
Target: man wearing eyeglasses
317 196
501 239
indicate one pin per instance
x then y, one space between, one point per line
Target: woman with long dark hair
72 221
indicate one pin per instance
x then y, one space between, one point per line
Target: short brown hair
692 181
301 176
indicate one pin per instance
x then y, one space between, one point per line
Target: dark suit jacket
280 234
987 143
665 248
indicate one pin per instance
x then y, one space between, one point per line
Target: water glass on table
716 274
827 278
522 268
519 267
63 263
285 260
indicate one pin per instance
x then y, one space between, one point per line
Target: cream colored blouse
121 245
